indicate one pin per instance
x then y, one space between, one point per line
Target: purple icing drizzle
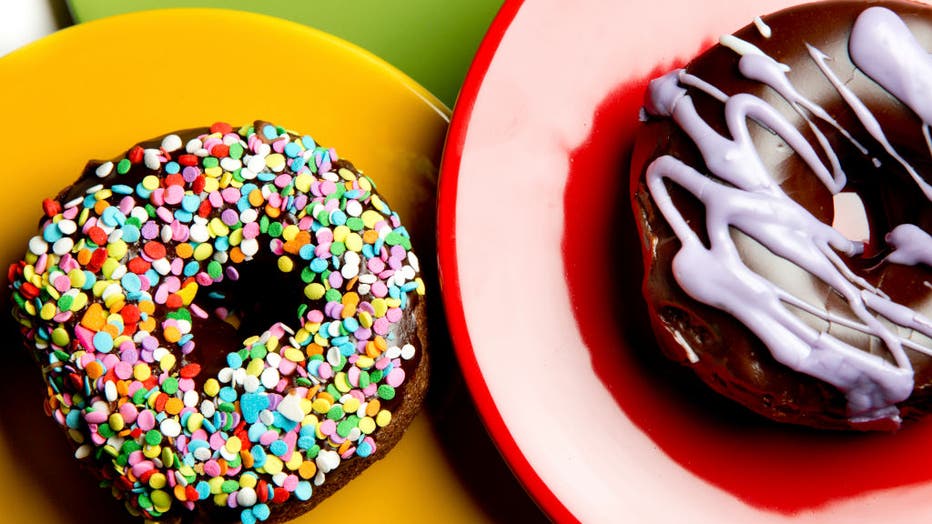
752 202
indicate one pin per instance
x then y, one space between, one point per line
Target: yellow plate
93 90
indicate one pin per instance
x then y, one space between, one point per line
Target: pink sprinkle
325 372
126 204
350 451
180 232
199 434
315 316
198 311
158 196
251 230
327 187
135 458
161 294
96 417
322 250
129 412
216 441
186 384
123 370
375 265
215 199
174 194
70 213
327 427
353 375
286 367
277 247
379 289
142 467
393 314
291 482
164 214
173 284
212 469
64 316
204 279
146 420
305 223
275 200
177 266
382 362
268 438
282 180
279 145
85 337
211 142
230 195
370 389
335 279
395 377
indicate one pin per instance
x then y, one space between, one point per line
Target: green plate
433 42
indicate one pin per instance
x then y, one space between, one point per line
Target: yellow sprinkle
314 291
216 485
379 307
275 162
294 354
420 289
203 251
365 319
340 233
80 300
285 264
194 421
320 405
85 214
346 174
167 362
116 421
77 278
377 202
142 372
117 249
99 287
342 382
152 451
351 405
168 457
150 182
303 182
234 444
236 237
157 481
353 242
213 171
48 311
211 185
383 418
364 362
255 367
187 293
300 336
217 228
211 387
294 462
272 343
161 500
273 465
250 481
370 218
366 425
365 183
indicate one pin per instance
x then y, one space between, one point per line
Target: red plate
540 267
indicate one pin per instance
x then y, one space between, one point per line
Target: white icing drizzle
762 27
752 202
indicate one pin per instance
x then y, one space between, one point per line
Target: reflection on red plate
773 467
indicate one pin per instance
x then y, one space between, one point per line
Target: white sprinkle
290 408
202 454
270 378
199 233
393 352
166 233
264 149
230 164
333 329
266 417
162 266
408 272
353 208
363 289
279 478
110 391
93 189
62 246
762 27
368 278
118 272
38 246
251 384
202 153
413 260
116 234
152 159
248 215
179 478
319 478
255 164
170 428
225 375
354 434
227 454
239 375
249 247
103 169
273 359
140 214
171 143
83 451
327 460
333 356
246 497
73 202
193 145
208 409
190 398
407 351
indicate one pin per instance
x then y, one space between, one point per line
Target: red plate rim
449 273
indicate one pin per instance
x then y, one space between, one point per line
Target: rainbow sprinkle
111 290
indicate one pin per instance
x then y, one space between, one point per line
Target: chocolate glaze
726 354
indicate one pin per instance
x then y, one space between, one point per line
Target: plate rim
449 274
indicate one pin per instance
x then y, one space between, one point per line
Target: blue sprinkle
103 342
352 194
280 421
153 277
367 251
131 282
306 431
130 233
191 268
297 164
306 252
292 149
243 204
203 489
278 448
337 217
73 418
172 168
234 360
197 444
51 234
258 456
261 511
190 203
255 431
209 426
312 367
270 132
222 243
121 189
246 516
364 449
251 404
409 286
227 394
318 265
393 291
142 192
350 324
183 216
266 176
308 142
89 280
305 442
112 217
303 490
347 349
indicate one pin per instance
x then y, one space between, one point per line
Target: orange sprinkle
272 211
94 317
291 247
345 446
255 198
326 396
122 388
246 457
179 493
303 237
147 307
222 462
94 370
307 469
147 324
100 205
380 343
111 330
236 255
172 334
184 250
313 391
370 236
371 350
314 349
174 406
84 256
373 407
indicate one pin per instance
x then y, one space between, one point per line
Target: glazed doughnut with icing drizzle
229 322
740 211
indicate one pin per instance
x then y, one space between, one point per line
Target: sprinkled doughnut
735 175
230 323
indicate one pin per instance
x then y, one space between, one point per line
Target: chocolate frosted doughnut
734 174
231 323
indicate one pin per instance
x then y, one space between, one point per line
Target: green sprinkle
336 412
333 295
153 437
275 229
123 166
236 151
170 385
229 486
386 392
337 248
214 269
210 161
